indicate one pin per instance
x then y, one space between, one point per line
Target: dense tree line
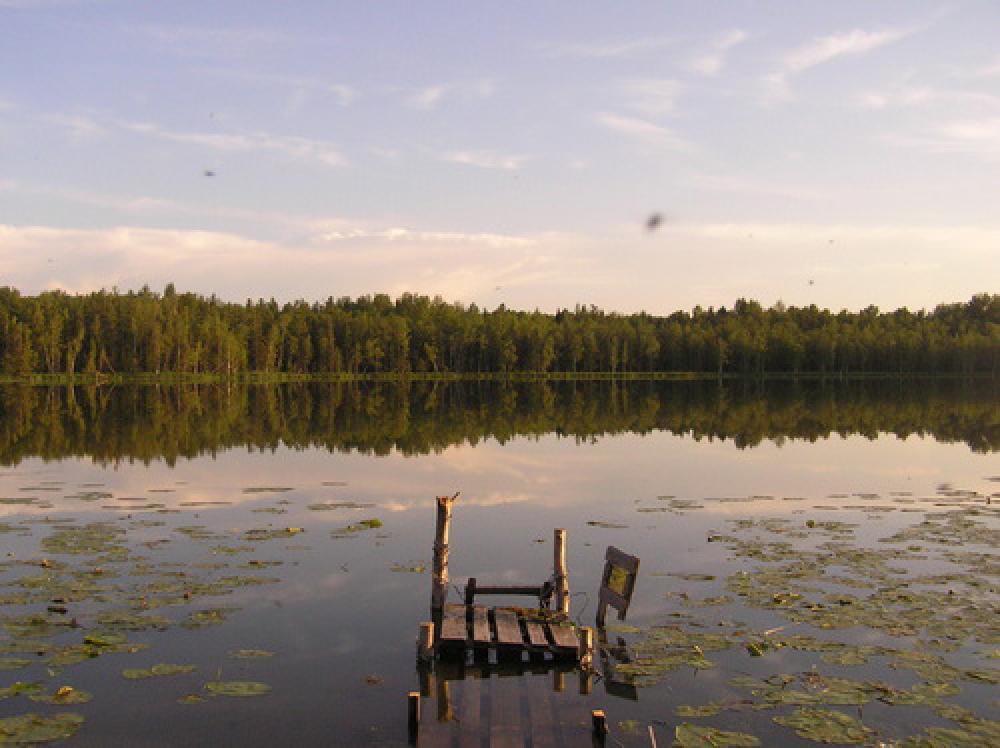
188 420
148 332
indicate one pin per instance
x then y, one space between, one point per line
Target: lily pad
36 728
687 735
825 726
239 688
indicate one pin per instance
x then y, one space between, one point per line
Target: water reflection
168 422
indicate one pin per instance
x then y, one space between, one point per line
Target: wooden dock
512 633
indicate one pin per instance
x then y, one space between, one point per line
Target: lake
809 549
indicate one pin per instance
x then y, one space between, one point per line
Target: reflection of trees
144 423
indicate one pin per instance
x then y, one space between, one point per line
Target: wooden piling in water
439 590
600 726
560 574
586 634
413 716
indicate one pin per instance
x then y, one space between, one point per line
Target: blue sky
839 153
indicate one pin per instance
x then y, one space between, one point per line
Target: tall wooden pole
439 590
560 573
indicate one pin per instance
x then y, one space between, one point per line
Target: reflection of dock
504 705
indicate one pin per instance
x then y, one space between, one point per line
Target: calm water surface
704 483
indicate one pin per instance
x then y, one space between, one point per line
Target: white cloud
737 184
644 130
713 59
426 98
655 96
605 50
825 49
486 159
288 145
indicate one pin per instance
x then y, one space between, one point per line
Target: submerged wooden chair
617 584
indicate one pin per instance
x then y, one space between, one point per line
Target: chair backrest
617 583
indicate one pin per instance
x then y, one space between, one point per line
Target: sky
842 154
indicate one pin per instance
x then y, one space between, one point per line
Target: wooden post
439 591
586 634
600 724
558 680
560 574
586 681
425 642
413 722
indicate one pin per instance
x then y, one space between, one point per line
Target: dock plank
564 639
536 634
480 626
454 631
508 631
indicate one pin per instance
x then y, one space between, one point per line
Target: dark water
657 469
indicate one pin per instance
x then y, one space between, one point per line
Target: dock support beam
439 591
560 574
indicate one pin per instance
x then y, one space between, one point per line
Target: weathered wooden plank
480 626
511 589
536 635
508 631
564 639
454 631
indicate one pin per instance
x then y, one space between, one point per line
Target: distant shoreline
43 379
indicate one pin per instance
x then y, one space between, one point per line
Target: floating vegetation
268 489
36 728
251 654
703 710
687 735
239 688
156 671
271 533
825 726
208 617
607 525
356 527
413 567
327 506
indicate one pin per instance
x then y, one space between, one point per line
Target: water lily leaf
703 710
35 728
687 735
158 670
237 688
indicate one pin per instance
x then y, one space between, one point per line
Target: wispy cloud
655 96
712 60
295 147
913 96
606 49
977 137
825 49
197 41
426 98
644 130
398 234
344 94
79 127
487 159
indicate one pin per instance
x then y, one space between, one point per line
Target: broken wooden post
425 642
560 574
600 725
439 591
413 719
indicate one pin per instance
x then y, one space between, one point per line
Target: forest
146 332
